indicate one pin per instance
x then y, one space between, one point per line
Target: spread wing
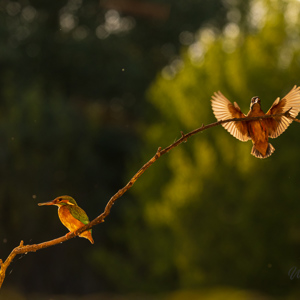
223 109
278 125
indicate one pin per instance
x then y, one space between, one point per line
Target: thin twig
21 249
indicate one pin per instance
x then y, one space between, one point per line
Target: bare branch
21 249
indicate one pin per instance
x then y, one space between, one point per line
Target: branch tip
287 113
183 136
157 155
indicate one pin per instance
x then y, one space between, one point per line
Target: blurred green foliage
73 76
217 293
74 120
225 216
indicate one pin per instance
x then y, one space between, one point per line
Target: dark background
89 90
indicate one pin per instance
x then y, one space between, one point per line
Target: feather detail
277 126
223 109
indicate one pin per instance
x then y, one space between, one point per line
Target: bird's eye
60 199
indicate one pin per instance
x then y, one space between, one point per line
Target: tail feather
257 154
87 235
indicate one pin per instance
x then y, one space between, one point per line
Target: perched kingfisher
71 215
258 131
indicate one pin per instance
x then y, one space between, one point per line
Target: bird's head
254 100
60 201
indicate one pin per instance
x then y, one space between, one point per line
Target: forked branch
21 249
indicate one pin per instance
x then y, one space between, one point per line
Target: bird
71 215
259 131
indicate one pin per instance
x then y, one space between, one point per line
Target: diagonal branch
21 249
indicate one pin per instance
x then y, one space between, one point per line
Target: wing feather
79 214
278 125
223 109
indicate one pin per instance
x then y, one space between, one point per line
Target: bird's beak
45 203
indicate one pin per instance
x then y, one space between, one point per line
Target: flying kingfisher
71 215
259 130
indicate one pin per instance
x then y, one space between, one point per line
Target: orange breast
73 224
259 136
68 220
258 131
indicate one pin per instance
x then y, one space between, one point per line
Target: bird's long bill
45 203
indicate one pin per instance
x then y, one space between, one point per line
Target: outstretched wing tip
223 109
289 102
